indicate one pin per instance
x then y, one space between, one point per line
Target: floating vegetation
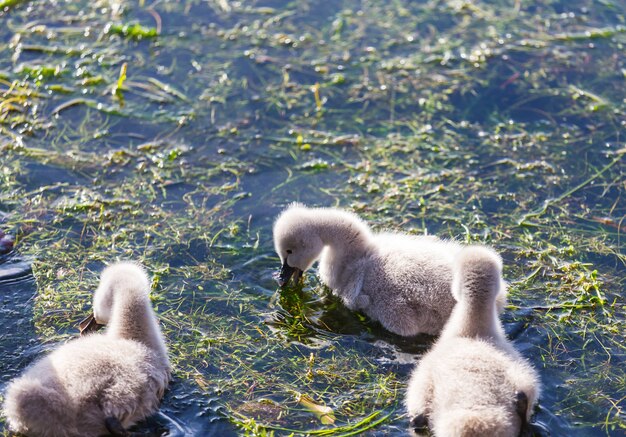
133 31
173 133
4 4
117 89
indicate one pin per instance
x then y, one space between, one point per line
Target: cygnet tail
475 423
477 274
34 409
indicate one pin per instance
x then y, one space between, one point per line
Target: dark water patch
48 176
187 411
559 369
18 343
13 270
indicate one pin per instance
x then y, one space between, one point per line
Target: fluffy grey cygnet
101 383
473 382
401 280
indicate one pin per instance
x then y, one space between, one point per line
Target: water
492 122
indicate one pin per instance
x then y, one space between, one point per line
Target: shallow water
494 122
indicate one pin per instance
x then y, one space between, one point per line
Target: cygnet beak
419 424
521 406
89 324
287 272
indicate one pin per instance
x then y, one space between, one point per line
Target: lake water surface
173 133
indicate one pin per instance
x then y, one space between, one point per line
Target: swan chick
473 382
403 281
101 383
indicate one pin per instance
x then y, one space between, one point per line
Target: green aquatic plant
117 89
132 30
9 3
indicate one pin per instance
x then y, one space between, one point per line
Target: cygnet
473 382
403 281
100 383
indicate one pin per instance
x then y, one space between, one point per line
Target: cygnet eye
289 251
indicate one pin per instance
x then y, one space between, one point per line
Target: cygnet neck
132 318
476 318
341 231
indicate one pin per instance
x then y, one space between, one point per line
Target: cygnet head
296 242
119 277
477 275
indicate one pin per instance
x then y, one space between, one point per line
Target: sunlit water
247 94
